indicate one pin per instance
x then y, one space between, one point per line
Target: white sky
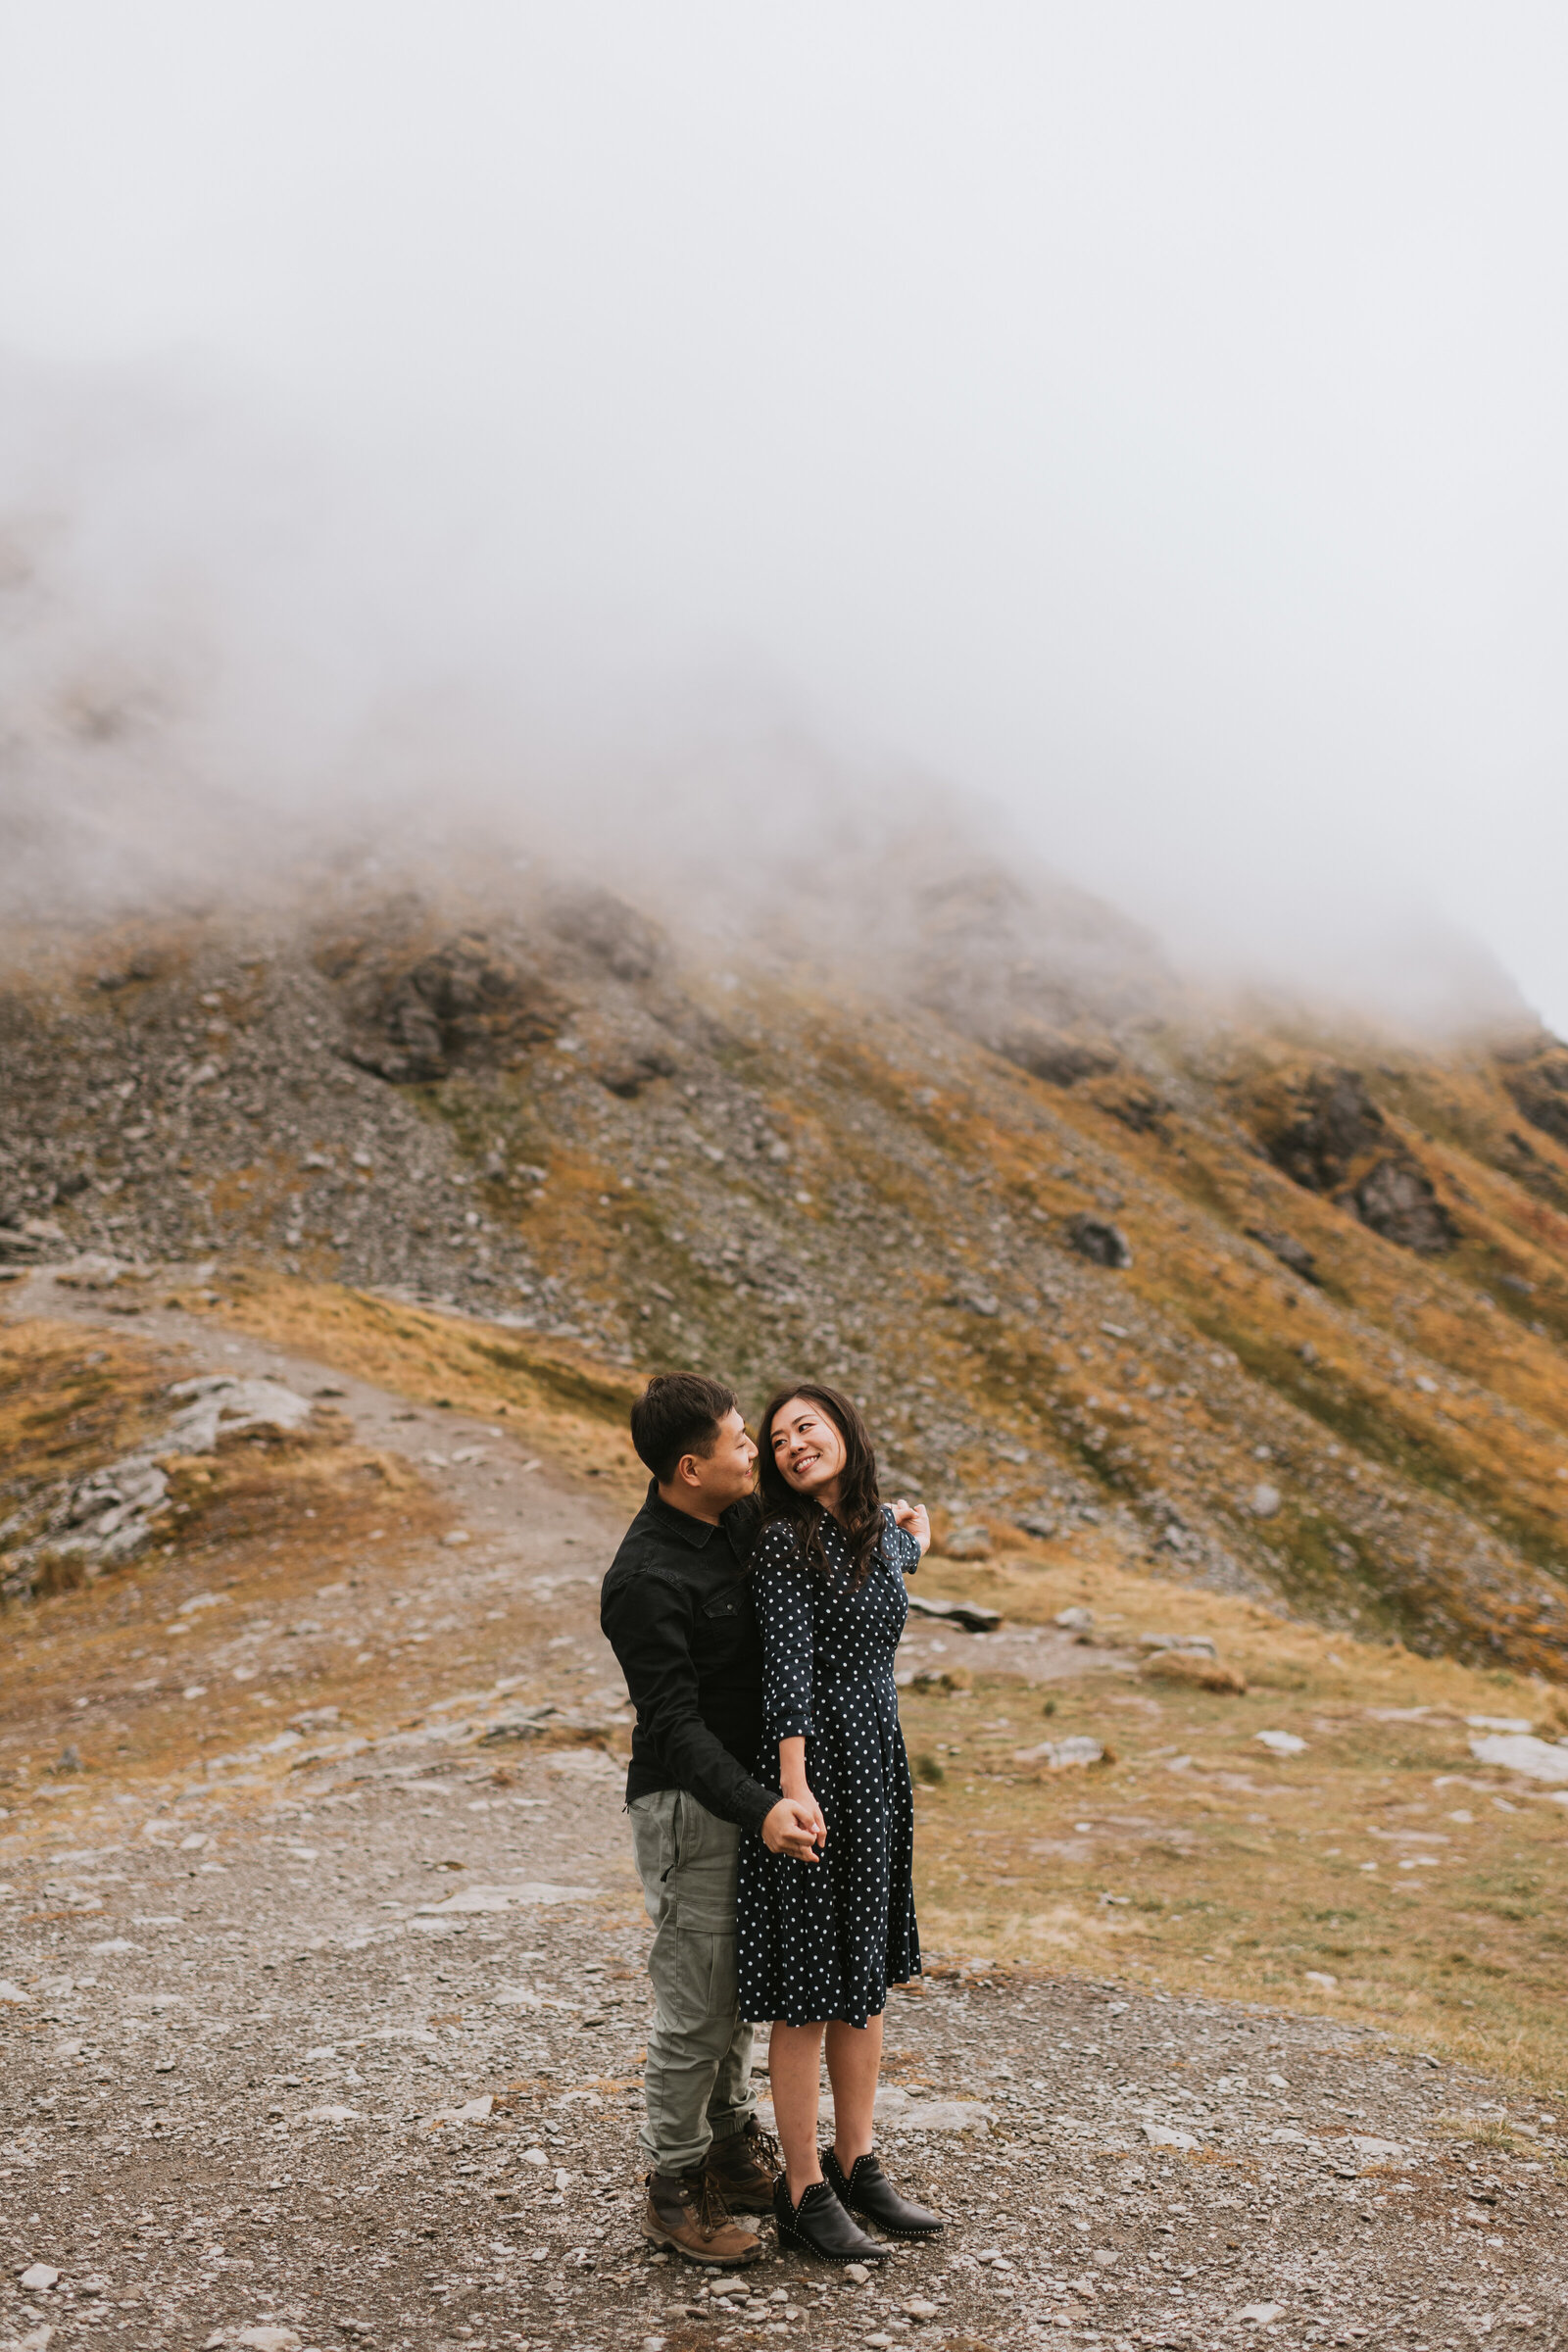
1151 417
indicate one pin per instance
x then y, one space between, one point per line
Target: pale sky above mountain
1148 417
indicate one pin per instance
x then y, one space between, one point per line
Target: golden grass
68 1403
1199 1860
1193 1673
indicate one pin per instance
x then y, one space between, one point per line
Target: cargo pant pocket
694 1978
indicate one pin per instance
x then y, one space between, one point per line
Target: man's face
725 1475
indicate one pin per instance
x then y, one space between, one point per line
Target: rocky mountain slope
1282 1310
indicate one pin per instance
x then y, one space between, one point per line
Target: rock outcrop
1535 1076
1103 1244
1395 1199
467 1000
1338 1143
70 1531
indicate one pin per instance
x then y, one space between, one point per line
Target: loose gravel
362 2065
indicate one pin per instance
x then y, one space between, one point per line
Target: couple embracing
755 1607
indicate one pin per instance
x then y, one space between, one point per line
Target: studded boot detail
820 2225
868 2193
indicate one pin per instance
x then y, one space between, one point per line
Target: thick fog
668 433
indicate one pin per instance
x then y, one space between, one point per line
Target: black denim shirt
676 1609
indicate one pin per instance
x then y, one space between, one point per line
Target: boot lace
766 2148
708 2202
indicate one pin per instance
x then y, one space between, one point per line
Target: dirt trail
335 2038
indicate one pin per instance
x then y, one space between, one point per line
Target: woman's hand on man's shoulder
914 1520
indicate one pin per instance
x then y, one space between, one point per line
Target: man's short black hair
678 1413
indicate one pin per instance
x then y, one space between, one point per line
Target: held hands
913 1518
807 1832
795 1827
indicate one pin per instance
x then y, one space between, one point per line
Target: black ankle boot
868 2193
820 2225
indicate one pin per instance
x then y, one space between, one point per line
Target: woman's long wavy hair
860 1498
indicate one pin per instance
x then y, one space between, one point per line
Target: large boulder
1334 1140
1338 1124
1397 1201
469 1000
1104 1244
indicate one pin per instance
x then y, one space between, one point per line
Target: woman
817 1942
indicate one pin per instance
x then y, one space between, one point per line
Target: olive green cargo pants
698 2082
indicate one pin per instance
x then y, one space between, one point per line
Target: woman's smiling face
806 1446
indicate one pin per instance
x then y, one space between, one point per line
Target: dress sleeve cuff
790 1727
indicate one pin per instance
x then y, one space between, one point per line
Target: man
676 1609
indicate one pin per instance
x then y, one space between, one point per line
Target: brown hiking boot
686 2214
744 2168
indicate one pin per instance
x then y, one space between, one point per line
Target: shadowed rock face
1287 1248
1338 1125
1101 1243
1397 1201
1538 1085
1325 1149
1137 1107
467 1000
1047 1054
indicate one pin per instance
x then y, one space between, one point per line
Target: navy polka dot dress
825 1939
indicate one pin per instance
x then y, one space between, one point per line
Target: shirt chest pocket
726 1629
